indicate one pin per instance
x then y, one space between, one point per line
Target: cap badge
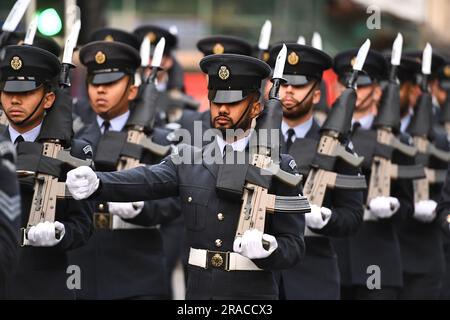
447 71
100 57
16 63
151 36
293 58
266 56
224 73
353 61
109 38
218 49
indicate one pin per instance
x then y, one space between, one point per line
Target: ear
377 93
167 62
316 96
49 99
133 92
256 109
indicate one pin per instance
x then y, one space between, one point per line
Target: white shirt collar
366 121
300 130
238 145
29 136
161 86
117 123
405 121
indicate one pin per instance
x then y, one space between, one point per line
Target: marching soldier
317 276
9 213
82 109
376 242
124 260
215 271
28 95
421 243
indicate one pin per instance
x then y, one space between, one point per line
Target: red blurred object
330 79
196 87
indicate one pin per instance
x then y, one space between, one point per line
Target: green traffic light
49 22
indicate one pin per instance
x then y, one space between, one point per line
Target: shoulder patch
87 150
292 164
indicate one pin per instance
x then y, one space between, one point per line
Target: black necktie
355 126
227 150
290 133
106 125
19 139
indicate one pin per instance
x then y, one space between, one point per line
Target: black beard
300 109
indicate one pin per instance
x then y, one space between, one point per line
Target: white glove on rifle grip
384 207
44 234
125 210
82 182
425 210
250 244
318 217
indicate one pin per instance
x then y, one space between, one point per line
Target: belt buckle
217 260
103 220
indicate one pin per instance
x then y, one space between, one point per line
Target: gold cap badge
293 58
266 56
218 49
109 38
224 73
151 36
100 57
447 71
16 63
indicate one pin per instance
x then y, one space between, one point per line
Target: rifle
256 201
55 135
421 128
139 127
330 148
386 123
13 20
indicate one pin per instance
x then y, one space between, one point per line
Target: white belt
118 224
228 261
369 216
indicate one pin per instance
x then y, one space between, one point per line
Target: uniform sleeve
139 184
156 212
346 207
75 215
288 229
9 215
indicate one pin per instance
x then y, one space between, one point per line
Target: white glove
318 217
126 210
425 210
44 234
82 182
384 207
250 244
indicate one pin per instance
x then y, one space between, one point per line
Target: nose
223 109
15 99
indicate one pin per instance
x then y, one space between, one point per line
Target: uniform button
189 199
101 206
218 243
220 216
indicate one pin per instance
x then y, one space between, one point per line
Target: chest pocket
194 203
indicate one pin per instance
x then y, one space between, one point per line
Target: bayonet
31 32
